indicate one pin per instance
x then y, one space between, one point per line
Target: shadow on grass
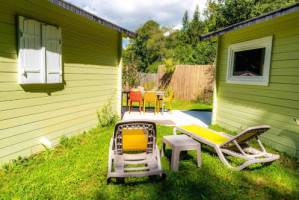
233 161
184 156
204 109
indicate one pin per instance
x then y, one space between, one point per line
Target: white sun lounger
134 143
232 145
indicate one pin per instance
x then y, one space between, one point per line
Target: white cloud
173 28
88 9
131 14
178 27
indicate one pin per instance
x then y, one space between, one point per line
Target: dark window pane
249 63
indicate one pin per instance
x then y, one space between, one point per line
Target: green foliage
129 75
169 66
146 48
185 20
204 53
155 44
223 13
194 105
153 68
206 96
79 171
167 91
195 29
149 85
107 116
68 142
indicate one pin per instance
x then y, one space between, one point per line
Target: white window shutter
52 43
31 58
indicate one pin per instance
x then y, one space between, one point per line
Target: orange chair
150 97
135 96
166 100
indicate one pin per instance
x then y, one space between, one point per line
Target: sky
131 14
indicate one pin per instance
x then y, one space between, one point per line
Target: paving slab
177 118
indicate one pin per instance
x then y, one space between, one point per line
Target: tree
195 28
185 20
223 13
183 36
189 49
155 44
139 45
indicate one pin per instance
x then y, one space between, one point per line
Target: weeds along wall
90 77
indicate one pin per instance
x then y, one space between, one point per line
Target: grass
179 104
77 169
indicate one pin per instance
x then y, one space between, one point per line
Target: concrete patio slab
177 118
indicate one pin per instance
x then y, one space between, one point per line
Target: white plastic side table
180 143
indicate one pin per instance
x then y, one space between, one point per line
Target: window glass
249 62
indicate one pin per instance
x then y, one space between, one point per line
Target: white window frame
266 43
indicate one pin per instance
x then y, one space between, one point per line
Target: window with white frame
39 52
249 62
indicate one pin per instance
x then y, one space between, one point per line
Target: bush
149 85
69 142
169 66
153 68
206 96
107 116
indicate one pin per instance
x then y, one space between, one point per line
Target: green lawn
179 104
77 169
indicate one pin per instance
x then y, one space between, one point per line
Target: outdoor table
180 143
159 93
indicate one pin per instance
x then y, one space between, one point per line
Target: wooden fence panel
141 78
146 77
188 81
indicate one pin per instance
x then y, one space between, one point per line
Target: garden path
177 118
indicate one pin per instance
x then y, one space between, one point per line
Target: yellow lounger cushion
135 139
205 133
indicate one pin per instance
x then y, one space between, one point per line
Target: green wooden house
58 65
257 76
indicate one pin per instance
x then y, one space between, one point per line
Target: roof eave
93 17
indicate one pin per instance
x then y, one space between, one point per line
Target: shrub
107 116
169 66
167 90
149 85
153 68
206 96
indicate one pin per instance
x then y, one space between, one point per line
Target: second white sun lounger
232 145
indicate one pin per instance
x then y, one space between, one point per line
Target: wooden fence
145 78
188 81
141 79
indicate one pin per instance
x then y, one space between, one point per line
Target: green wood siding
242 106
91 58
